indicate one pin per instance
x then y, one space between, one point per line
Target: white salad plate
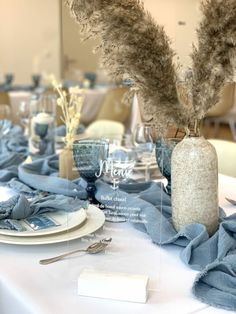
95 220
63 221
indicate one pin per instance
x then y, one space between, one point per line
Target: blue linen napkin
18 207
40 176
214 256
13 139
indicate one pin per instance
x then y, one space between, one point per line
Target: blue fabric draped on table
13 150
215 257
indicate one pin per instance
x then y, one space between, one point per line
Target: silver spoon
91 249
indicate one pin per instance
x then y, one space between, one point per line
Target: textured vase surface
194 172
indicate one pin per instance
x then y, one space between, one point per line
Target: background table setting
81 211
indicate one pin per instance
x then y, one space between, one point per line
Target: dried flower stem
133 46
71 105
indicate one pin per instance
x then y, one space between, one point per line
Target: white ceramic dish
95 220
65 221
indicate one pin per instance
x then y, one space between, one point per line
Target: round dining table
28 287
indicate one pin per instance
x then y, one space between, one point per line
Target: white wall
30 35
30 38
166 12
77 54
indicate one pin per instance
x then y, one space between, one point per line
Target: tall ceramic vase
194 172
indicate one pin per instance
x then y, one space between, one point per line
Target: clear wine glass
5 123
164 149
143 142
121 163
23 114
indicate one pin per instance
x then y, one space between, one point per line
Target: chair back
225 103
113 108
226 153
4 98
106 129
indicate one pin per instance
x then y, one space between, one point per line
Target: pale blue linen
214 256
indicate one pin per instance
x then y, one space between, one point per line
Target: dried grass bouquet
134 46
71 104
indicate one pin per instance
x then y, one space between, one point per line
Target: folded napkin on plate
215 257
18 207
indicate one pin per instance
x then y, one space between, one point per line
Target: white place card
112 285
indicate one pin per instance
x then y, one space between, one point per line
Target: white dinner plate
64 221
95 220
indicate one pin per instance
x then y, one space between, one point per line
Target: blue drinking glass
89 156
164 149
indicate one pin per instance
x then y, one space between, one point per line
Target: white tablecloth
27 287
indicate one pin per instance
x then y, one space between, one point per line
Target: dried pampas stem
213 60
134 47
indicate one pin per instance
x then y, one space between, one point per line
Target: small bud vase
66 165
194 173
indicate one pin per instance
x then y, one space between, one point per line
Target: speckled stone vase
194 172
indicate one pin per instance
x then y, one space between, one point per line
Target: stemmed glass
143 142
5 124
9 79
89 156
164 149
36 78
23 114
121 163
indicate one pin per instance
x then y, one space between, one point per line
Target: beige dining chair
5 106
226 153
223 112
106 129
113 107
4 99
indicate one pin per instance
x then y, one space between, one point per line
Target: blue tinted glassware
89 156
164 149
143 142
